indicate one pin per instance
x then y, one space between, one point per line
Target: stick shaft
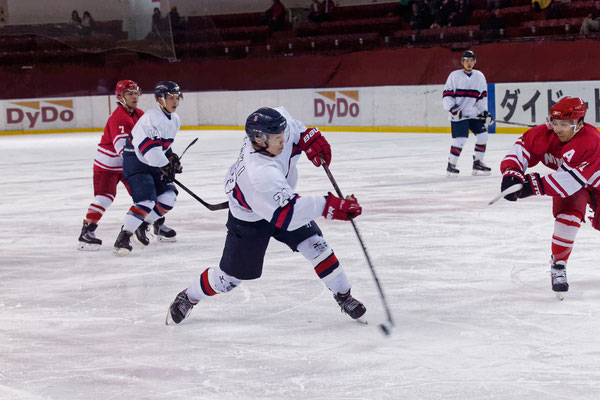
211 207
362 244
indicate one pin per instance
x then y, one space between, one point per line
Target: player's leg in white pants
325 263
480 145
212 281
455 149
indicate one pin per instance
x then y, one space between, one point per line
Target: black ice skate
162 232
452 170
123 243
87 239
558 277
141 236
479 168
349 305
179 309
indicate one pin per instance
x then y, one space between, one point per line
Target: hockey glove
489 119
172 168
342 209
533 186
509 178
315 145
455 113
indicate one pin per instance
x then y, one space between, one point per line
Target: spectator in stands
87 23
591 23
327 7
102 87
156 20
442 15
275 16
419 17
539 5
493 26
557 9
175 18
461 13
315 11
75 19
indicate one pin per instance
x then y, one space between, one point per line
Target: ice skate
179 309
349 305
479 168
87 239
558 276
123 243
452 171
162 232
141 235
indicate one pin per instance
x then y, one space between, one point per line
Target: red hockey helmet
127 86
572 108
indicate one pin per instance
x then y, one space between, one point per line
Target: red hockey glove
512 177
315 145
533 186
343 209
455 113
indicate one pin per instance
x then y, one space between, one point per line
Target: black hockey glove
455 113
533 186
489 119
172 168
512 177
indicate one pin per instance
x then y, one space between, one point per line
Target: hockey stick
516 123
387 326
509 190
211 207
188 146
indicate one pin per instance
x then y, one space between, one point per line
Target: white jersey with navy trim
263 187
153 135
467 91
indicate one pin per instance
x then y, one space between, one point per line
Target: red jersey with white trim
577 162
262 187
117 130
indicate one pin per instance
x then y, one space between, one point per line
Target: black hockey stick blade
188 146
211 207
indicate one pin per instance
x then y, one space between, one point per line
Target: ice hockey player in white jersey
149 166
264 204
465 99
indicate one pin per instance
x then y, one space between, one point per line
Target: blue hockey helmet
263 122
163 88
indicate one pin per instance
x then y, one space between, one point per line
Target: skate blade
88 246
362 320
121 252
451 175
164 239
560 295
481 173
169 320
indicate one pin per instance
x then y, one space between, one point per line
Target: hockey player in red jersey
571 147
108 163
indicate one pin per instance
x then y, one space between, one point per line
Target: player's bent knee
313 247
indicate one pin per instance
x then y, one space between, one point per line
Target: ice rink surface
468 285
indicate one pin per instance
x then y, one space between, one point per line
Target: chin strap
262 150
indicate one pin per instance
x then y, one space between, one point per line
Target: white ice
467 283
